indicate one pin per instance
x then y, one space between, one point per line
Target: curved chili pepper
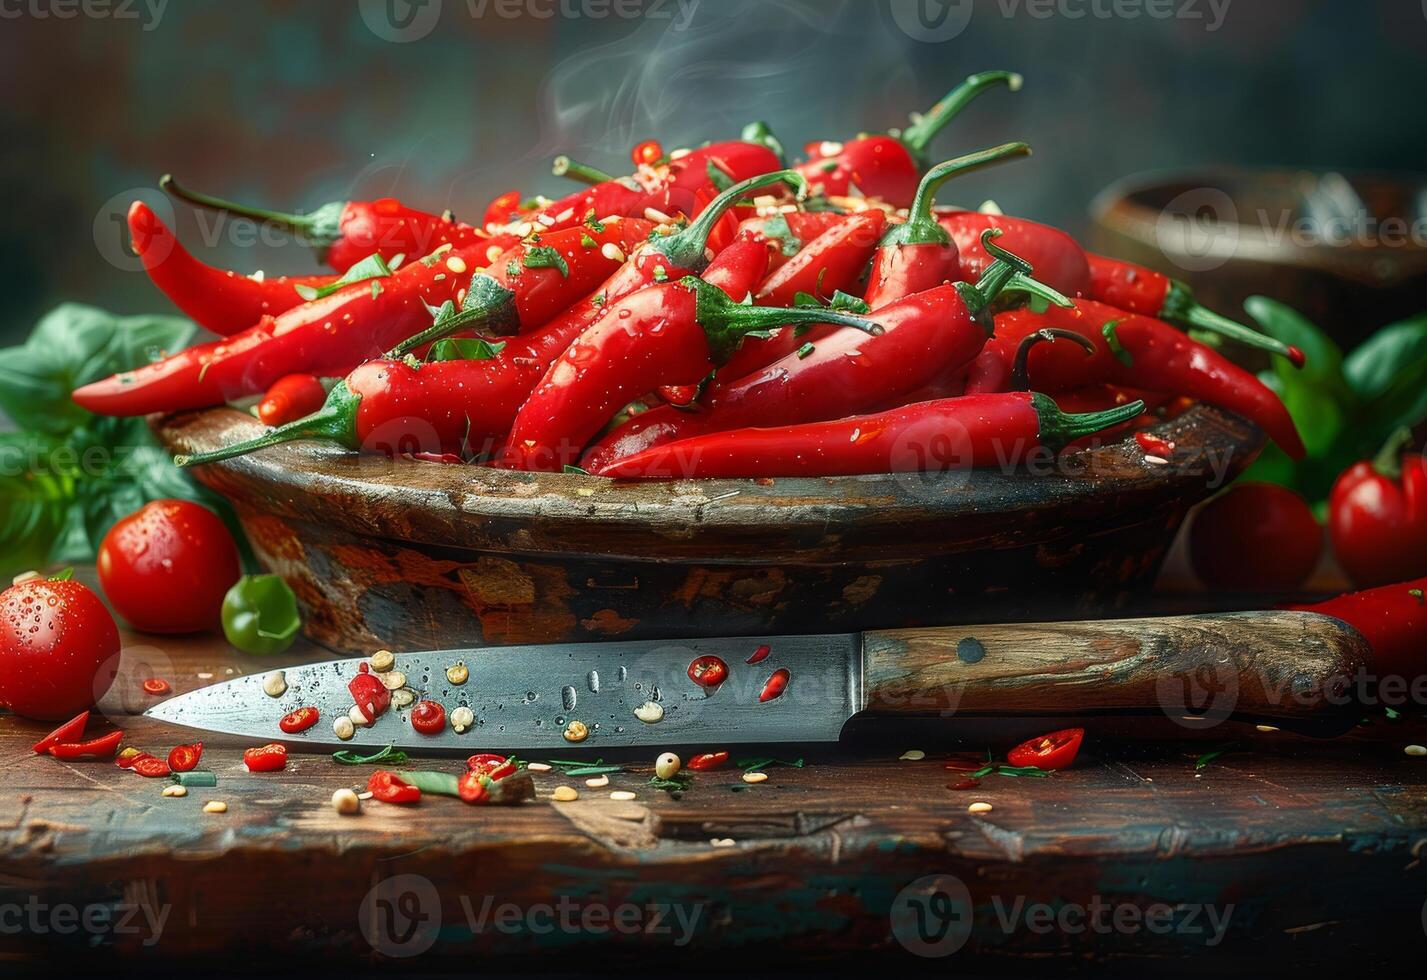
102 747
464 407
345 232
1141 352
1393 618
673 333
919 253
669 190
953 433
887 166
1137 289
926 335
790 230
216 299
328 336
1058 259
1001 365
291 397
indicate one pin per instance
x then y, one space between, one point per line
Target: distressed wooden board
411 555
1316 845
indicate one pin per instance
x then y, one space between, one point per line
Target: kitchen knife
1290 669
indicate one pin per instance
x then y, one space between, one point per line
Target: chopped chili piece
708 671
184 758
67 732
967 783
1154 445
298 720
473 786
776 685
647 153
127 757
391 788
708 760
102 747
428 718
493 767
759 655
268 758
1054 751
156 686
369 693
150 766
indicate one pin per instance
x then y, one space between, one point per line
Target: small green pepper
260 614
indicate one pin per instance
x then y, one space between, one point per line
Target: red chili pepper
1153 445
216 299
776 684
467 406
646 154
102 747
156 686
1141 352
67 732
671 333
707 761
493 767
1377 515
184 758
888 167
759 655
290 398
370 695
1393 618
128 756
298 720
1058 259
503 209
708 671
919 253
670 189
951 434
1137 289
1002 363
328 337
150 767
926 335
428 718
789 231
473 787
1054 751
345 232
391 788
268 758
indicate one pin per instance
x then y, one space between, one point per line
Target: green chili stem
921 226
563 166
920 133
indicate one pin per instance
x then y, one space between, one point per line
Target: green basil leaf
848 303
34 500
778 227
717 177
1371 369
371 267
545 257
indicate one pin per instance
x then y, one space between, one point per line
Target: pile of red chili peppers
710 314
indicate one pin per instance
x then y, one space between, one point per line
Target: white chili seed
393 680
215 806
383 660
456 264
29 576
345 802
576 731
755 777
657 216
1416 750
597 782
403 698
913 755
1156 460
343 728
612 252
721 842
566 793
462 718
667 765
979 807
649 712
275 684
1266 728
623 795
175 791
538 767
457 673
829 148
494 252
357 716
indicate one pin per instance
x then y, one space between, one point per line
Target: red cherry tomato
708 671
709 760
150 766
290 398
166 567
184 758
1256 537
268 758
1054 751
391 788
298 720
647 153
59 649
428 718
776 685
1377 517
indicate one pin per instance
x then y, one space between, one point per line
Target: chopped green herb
1209 757
805 350
758 765
371 267
593 223
588 242
63 575
717 177
545 257
677 784
197 777
512 269
464 349
567 468
1113 339
437 783
1416 594
1392 715
389 753
778 227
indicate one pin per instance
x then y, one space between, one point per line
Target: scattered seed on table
576 731
539 767
649 712
215 806
274 683
175 791
343 728
622 795
721 842
755 777
1266 728
345 802
365 795
383 660
979 807
667 765
913 755
457 673
597 782
1416 750
565 794
393 680
462 718
402 698
357 716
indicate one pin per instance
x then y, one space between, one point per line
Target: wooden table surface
1280 850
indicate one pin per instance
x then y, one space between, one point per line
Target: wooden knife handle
1292 670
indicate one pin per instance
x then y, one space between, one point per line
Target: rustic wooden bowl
414 555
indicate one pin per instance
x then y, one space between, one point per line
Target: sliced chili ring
184 758
102 747
156 686
708 760
298 720
474 786
267 758
127 756
759 655
1054 751
708 671
151 767
776 684
391 788
428 718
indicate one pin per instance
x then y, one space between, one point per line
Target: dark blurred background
447 102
